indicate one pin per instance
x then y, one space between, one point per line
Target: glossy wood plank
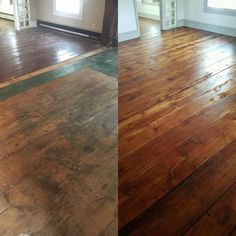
33 49
176 114
58 150
186 203
220 219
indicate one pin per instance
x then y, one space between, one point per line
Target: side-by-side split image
117 117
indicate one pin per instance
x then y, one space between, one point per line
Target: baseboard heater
70 30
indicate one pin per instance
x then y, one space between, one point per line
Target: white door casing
22 14
168 10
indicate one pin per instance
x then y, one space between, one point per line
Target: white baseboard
211 28
128 36
6 16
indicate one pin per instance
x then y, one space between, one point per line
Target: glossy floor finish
58 152
33 49
177 147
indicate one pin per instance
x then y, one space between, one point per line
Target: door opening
7 15
156 15
14 15
149 17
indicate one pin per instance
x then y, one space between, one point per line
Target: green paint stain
104 62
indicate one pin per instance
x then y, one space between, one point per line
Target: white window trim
220 11
73 16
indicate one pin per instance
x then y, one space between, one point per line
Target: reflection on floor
149 26
177 144
35 48
6 26
58 151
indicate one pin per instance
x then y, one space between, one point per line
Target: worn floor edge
104 61
49 68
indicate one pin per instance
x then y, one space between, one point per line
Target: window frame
69 15
155 2
221 11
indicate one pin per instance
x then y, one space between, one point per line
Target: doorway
149 17
7 16
156 15
14 15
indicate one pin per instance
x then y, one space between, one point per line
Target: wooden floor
149 27
33 49
177 128
58 154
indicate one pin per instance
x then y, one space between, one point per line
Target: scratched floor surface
58 155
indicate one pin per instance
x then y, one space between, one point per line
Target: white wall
181 10
194 11
148 11
6 10
34 11
128 27
92 19
126 16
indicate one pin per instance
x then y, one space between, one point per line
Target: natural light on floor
226 4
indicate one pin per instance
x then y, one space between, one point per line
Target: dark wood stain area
177 134
33 49
58 158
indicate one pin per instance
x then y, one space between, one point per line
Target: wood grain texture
36 48
51 68
177 103
58 158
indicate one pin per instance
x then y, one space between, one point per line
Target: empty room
58 117
177 113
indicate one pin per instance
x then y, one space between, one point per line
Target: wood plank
188 201
36 48
176 115
58 153
220 219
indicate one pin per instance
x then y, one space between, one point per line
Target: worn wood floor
177 128
58 155
33 49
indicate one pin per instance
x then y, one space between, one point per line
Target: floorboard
149 26
35 48
58 152
177 104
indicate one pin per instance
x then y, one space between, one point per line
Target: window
150 2
219 6
69 8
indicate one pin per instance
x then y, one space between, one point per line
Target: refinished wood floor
35 48
177 128
149 27
58 151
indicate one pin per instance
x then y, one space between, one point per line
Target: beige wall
92 19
